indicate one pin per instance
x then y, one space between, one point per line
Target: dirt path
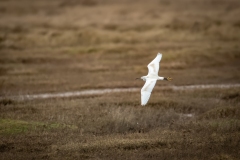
103 91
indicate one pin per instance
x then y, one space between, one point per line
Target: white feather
151 79
153 67
147 90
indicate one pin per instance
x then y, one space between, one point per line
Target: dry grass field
71 45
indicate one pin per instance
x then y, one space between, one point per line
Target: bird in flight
151 79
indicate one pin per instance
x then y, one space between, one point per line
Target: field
69 45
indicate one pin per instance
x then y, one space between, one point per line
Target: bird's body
151 79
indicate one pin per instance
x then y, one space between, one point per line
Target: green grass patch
9 126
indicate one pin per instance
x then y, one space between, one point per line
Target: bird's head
169 78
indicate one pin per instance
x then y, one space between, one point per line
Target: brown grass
116 126
62 45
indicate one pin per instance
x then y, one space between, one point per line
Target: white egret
151 79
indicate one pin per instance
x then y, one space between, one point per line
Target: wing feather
153 67
147 90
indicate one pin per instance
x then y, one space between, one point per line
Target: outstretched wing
146 91
153 67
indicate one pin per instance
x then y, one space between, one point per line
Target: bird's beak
137 78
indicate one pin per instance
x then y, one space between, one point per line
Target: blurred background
62 45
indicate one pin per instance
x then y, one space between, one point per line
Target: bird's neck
160 78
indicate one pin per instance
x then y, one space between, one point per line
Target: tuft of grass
222 112
232 97
5 101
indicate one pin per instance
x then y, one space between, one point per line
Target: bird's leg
167 79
